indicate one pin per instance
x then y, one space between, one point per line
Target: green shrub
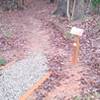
2 61
95 2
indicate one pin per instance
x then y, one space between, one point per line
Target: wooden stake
75 52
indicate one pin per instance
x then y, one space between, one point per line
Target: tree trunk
61 8
51 1
68 9
20 4
11 4
73 9
78 9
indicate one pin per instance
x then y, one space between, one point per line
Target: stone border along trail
21 76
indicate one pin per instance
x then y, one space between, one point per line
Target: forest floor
36 30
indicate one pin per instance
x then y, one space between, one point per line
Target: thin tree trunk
79 10
68 8
73 9
21 4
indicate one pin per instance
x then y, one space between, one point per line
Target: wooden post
75 52
76 45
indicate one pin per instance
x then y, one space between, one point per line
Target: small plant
2 61
7 34
68 35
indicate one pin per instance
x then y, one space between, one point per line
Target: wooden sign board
76 31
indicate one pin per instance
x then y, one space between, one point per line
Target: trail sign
76 31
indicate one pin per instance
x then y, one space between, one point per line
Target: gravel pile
17 79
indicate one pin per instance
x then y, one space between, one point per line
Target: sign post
76 45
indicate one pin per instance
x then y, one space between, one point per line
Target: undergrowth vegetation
95 2
2 61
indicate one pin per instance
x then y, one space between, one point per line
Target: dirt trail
70 75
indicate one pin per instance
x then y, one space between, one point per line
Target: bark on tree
78 9
61 8
20 4
68 9
11 4
51 1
